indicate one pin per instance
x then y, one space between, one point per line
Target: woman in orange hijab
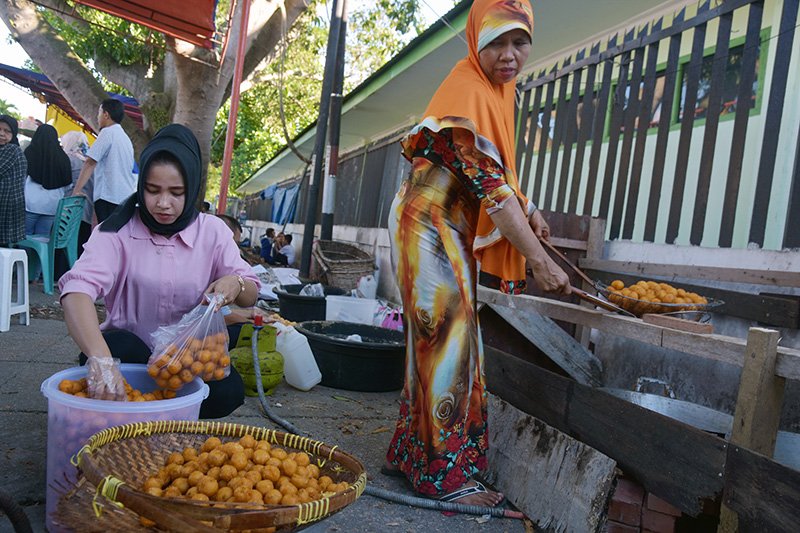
461 205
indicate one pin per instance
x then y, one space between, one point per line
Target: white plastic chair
11 261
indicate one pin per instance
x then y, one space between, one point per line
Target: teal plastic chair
63 235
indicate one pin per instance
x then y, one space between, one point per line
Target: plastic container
297 307
299 366
72 420
349 309
374 364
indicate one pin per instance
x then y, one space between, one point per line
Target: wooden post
594 250
758 405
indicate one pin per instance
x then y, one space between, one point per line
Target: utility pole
234 112
318 158
332 153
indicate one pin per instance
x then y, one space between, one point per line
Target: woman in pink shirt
152 261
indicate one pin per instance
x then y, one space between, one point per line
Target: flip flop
477 488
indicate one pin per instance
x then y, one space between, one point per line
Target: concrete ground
359 423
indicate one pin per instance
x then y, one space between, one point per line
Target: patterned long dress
13 169
441 435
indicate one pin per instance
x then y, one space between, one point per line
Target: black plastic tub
374 365
299 308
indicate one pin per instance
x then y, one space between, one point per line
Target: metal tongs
582 294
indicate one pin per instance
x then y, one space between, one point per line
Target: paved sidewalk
360 423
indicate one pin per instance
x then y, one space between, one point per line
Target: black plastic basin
298 308
377 364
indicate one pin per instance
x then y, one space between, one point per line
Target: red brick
616 527
657 522
625 512
655 503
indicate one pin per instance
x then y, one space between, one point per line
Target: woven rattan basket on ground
118 460
342 264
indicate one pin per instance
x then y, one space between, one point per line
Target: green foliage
9 109
375 32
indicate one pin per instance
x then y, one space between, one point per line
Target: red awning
189 21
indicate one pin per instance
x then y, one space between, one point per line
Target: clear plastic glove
104 379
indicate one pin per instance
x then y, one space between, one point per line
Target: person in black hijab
13 168
49 176
152 261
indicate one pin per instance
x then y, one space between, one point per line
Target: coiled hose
15 513
377 492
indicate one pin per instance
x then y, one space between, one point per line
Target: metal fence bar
558 138
687 125
740 122
645 110
662 137
598 126
718 67
532 129
569 135
772 123
584 131
617 113
544 136
630 113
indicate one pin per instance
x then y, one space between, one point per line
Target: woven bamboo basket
342 264
118 460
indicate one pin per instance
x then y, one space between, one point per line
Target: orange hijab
467 93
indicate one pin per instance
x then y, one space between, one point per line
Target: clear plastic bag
313 289
195 346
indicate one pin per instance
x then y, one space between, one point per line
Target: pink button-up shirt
149 280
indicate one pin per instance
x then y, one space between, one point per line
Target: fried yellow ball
288 467
181 483
264 486
278 453
224 493
176 458
260 456
272 473
195 477
238 460
211 443
153 482
227 472
248 441
208 486
325 482
217 457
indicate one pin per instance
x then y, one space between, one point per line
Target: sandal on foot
477 488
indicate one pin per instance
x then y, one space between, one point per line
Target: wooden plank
566 352
791 237
760 398
583 132
717 347
765 494
598 127
734 275
544 136
662 137
523 119
678 323
692 77
572 244
531 142
718 67
679 463
617 114
740 123
569 135
563 484
558 137
772 122
645 109
630 113
768 309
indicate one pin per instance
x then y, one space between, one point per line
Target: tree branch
65 69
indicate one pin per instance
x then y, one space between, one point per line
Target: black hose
15 513
377 492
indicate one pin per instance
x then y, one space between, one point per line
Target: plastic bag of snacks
195 346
